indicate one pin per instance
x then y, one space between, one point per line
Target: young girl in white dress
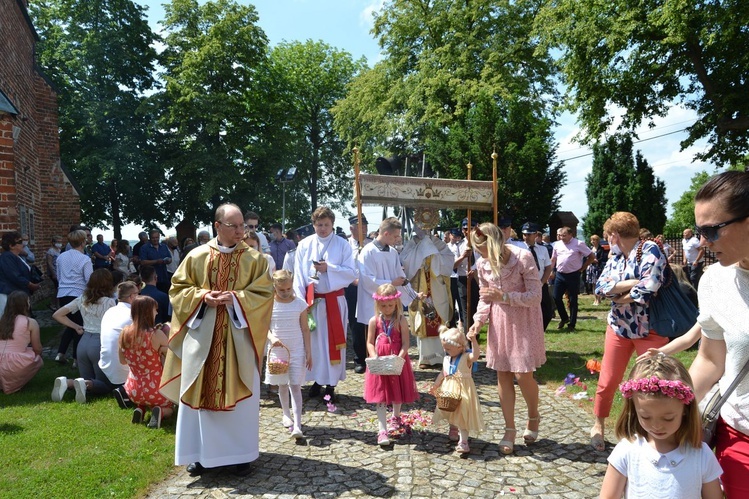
467 418
661 452
288 328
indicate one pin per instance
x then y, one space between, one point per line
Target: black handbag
36 275
712 410
670 312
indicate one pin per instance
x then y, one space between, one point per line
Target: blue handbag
670 312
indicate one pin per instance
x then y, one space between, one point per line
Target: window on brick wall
31 232
24 219
27 223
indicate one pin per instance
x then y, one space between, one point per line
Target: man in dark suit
148 276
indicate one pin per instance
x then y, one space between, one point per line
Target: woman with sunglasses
722 214
15 274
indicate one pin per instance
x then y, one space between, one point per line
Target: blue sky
346 24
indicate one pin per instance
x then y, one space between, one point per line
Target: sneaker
155 422
60 359
287 422
462 448
137 416
297 434
382 439
59 389
120 395
80 390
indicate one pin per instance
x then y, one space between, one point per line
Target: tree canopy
458 80
100 55
634 60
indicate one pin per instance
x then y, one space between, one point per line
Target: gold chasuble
208 362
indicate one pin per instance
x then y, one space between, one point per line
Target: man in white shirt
358 330
543 264
693 257
112 323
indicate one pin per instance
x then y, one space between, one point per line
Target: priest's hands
217 298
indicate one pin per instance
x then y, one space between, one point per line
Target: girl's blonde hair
665 368
389 290
454 335
282 275
491 237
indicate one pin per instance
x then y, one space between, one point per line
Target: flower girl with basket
389 378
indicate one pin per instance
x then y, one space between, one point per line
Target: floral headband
386 297
669 387
453 343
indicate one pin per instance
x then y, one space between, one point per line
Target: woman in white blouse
96 299
722 214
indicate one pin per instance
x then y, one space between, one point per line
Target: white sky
346 24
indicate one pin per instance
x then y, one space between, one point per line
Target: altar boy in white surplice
324 265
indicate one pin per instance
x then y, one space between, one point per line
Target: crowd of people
189 327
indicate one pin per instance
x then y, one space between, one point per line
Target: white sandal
507 447
530 436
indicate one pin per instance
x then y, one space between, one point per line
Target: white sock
463 436
296 405
283 397
397 410
382 412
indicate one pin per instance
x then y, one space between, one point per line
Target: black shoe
330 390
571 328
243 469
359 369
314 390
561 325
120 395
194 469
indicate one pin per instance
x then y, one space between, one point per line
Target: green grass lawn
67 449
568 352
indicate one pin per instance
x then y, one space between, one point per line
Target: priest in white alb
222 297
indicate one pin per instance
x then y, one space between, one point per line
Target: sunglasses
250 226
710 232
18 242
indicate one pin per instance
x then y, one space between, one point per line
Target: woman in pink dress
510 300
143 345
19 362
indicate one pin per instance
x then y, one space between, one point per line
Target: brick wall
36 197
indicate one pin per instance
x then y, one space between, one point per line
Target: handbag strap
724 396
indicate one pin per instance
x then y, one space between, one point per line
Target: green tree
683 208
214 109
312 76
634 60
100 55
458 80
619 181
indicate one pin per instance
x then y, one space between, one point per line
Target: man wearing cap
460 268
358 330
569 260
505 225
543 264
470 257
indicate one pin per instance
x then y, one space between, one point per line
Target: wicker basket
449 396
277 365
387 365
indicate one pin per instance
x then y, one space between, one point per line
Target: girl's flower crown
386 297
669 387
453 343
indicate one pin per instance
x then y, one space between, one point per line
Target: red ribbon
336 335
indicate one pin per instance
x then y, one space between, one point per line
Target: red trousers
732 451
616 354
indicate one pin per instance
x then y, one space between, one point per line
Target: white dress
284 324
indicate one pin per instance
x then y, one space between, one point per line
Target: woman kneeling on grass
143 345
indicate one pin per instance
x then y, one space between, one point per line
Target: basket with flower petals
276 364
386 365
449 394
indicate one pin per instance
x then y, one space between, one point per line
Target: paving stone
341 458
